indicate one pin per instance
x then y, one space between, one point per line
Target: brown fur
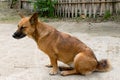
61 46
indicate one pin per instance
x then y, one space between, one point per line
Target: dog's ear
34 19
21 15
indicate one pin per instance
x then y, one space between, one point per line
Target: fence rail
90 8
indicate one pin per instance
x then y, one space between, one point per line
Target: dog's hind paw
63 73
69 72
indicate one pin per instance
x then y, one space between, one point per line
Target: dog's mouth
18 35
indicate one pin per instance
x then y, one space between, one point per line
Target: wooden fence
90 8
79 8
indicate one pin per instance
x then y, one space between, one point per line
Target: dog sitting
60 46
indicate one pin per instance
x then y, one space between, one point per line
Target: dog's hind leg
69 72
84 63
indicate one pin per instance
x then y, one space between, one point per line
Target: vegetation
45 7
12 3
10 15
107 15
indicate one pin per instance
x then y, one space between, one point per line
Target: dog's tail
103 65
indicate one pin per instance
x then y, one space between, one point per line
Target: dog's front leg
49 65
54 70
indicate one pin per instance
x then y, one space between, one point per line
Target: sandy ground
21 59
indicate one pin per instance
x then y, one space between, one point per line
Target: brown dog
60 46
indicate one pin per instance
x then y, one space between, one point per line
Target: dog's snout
18 35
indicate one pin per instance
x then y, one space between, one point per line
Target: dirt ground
21 59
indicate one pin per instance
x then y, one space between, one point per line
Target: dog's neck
35 34
42 30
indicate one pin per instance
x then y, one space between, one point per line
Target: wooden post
102 9
79 7
97 8
117 7
90 8
113 7
85 11
69 8
20 4
94 9
76 9
60 5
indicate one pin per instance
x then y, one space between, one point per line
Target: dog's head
26 26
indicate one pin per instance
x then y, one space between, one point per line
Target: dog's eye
25 27
22 28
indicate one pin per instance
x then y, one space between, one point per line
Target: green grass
107 15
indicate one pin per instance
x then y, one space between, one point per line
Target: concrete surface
21 59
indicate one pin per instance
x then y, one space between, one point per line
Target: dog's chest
45 47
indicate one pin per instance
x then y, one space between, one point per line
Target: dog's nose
13 35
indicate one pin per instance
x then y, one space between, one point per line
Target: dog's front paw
48 65
53 72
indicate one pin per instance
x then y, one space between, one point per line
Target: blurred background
79 10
